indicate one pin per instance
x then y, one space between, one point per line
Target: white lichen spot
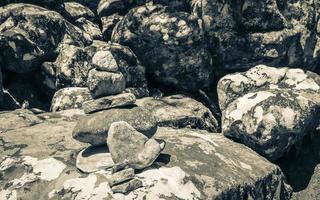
246 103
288 118
8 195
24 179
307 84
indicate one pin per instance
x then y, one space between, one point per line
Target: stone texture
103 83
170 44
90 28
126 187
130 146
269 109
108 23
26 42
104 61
94 128
104 103
180 111
69 98
121 176
93 159
75 10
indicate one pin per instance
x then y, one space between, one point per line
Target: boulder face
179 111
70 98
170 44
26 41
74 11
269 109
251 32
94 128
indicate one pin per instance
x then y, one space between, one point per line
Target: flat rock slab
180 111
93 159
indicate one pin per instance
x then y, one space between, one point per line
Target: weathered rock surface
121 176
26 41
75 10
70 98
180 111
104 61
214 168
104 103
127 145
269 109
94 128
170 44
90 28
128 186
103 83
108 23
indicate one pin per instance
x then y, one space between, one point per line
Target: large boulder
94 128
179 111
244 34
170 44
269 109
75 10
129 146
26 41
50 4
70 98
90 28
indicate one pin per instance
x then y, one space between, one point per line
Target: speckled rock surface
269 109
41 165
94 128
170 44
69 98
180 111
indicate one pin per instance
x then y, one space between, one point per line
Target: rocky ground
181 99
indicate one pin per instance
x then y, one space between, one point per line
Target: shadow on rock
299 164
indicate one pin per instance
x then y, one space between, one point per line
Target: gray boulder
269 109
104 103
90 28
180 111
170 44
103 83
108 24
94 128
75 10
129 146
104 61
70 98
26 41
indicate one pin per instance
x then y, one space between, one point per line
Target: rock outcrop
269 109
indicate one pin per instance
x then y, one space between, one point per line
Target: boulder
109 7
104 61
94 128
50 4
90 28
179 111
104 103
26 41
70 98
108 23
269 109
121 176
249 33
170 44
127 145
127 187
75 10
103 83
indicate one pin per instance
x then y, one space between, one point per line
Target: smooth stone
105 103
104 61
93 159
127 186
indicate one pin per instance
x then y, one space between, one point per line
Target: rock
75 10
1 89
50 4
121 176
126 187
109 7
138 92
108 23
247 34
72 67
27 41
105 83
221 168
170 44
180 111
90 28
130 146
69 98
104 61
104 103
94 128
93 159
269 109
